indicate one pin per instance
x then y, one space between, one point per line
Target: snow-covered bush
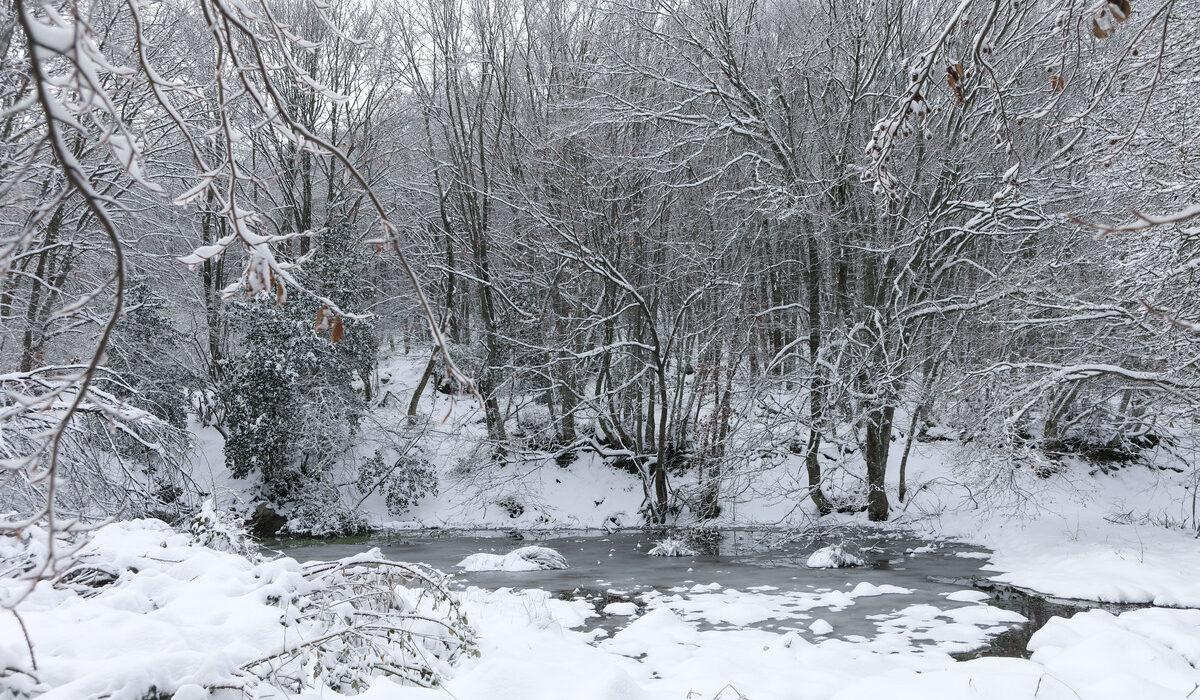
376 617
293 399
405 482
671 547
320 511
532 558
146 612
222 531
112 457
534 428
833 557
512 505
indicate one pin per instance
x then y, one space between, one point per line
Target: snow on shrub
403 483
833 557
531 558
369 616
320 512
146 612
222 531
671 547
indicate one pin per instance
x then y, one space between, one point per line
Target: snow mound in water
623 609
672 547
833 557
524 559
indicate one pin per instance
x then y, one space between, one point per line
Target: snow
1090 538
671 547
623 609
967 596
973 555
661 655
864 589
833 557
532 558
191 616
701 640
1097 537
177 616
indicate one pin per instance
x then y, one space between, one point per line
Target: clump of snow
967 596
866 589
623 609
671 547
833 557
973 555
532 558
820 626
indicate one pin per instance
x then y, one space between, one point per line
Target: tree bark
816 389
875 450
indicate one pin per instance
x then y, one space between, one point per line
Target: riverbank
1117 532
1115 536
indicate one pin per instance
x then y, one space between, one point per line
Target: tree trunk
416 397
875 451
908 443
816 390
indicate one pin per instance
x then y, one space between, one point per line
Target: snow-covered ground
182 618
150 614
538 648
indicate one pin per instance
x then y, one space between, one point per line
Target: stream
925 592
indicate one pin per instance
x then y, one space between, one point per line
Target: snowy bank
150 613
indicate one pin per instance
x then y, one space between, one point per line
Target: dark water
609 568
1037 610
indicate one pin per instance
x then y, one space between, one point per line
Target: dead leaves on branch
955 75
1114 10
327 320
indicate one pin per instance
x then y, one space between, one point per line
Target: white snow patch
865 589
671 547
820 627
973 555
622 609
833 557
532 558
967 596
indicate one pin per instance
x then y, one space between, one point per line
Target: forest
281 269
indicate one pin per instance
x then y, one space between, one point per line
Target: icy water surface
754 579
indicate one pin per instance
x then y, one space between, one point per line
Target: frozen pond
911 592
